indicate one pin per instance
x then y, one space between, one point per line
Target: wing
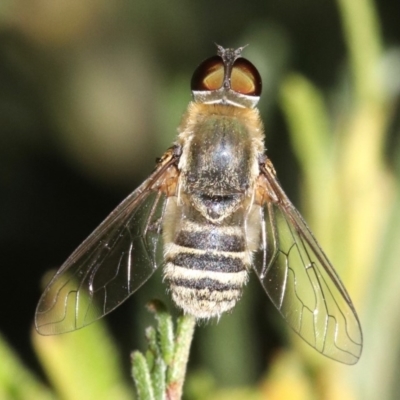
113 262
300 280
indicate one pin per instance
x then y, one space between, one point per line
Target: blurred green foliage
92 92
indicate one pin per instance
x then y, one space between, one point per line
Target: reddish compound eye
245 78
209 75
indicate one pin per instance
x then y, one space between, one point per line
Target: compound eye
245 78
209 75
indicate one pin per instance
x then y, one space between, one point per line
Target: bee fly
215 201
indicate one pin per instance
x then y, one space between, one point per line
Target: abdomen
206 267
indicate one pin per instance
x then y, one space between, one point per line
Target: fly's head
227 78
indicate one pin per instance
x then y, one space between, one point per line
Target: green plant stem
165 330
161 373
177 371
141 374
310 135
363 37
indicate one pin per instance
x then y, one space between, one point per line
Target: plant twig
160 374
177 370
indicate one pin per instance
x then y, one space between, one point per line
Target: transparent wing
112 263
302 283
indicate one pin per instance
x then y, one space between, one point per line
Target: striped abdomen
206 267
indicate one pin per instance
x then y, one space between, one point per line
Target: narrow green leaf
165 330
362 33
16 382
158 379
308 121
83 365
141 376
184 336
153 351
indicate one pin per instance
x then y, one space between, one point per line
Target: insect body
208 256
216 203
